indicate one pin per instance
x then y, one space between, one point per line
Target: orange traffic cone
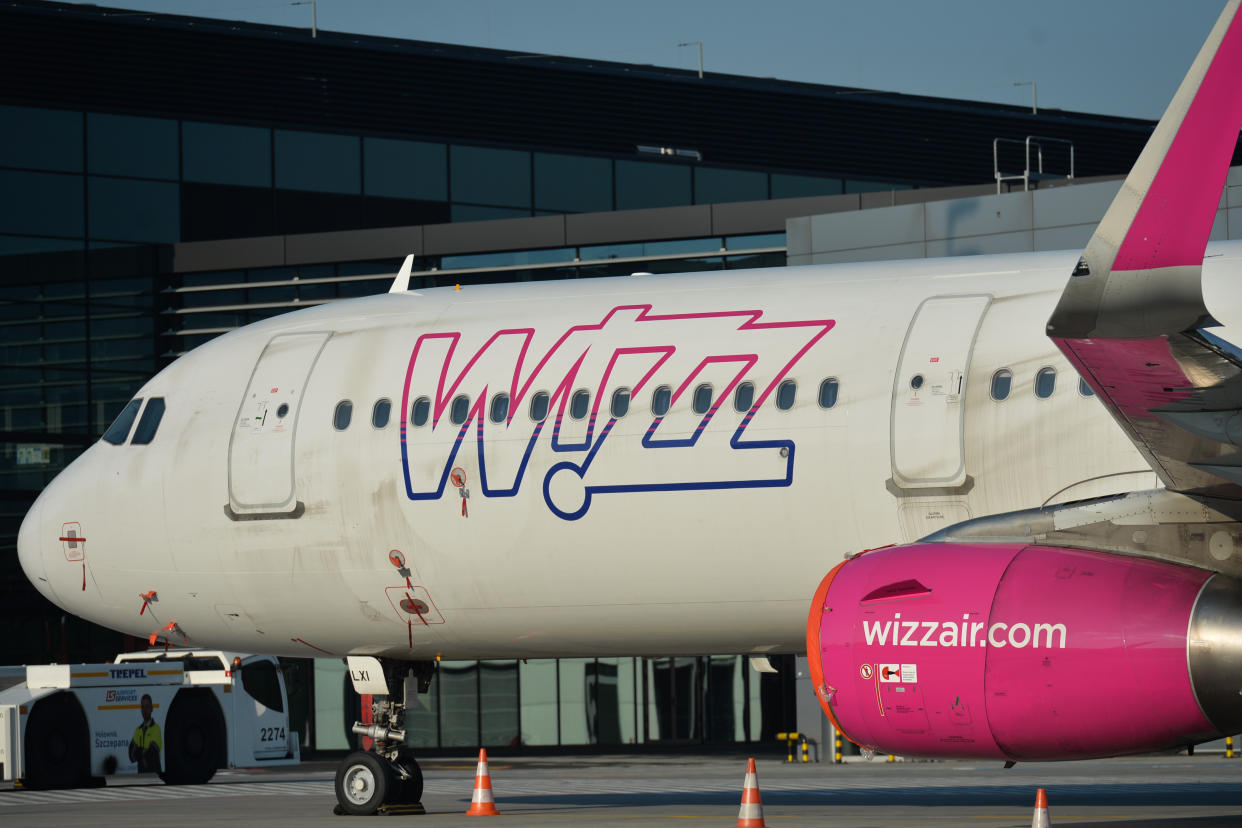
1041 810
751 813
481 803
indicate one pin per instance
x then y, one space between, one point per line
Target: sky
1112 57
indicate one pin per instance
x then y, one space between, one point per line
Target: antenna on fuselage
402 283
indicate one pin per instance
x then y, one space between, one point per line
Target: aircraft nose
30 550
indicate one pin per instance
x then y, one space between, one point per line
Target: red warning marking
312 646
274 390
74 541
865 671
397 559
935 359
458 476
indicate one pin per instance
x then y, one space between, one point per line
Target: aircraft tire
364 782
57 749
192 739
408 791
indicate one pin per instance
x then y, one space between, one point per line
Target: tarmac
634 791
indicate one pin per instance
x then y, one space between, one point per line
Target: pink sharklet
1174 222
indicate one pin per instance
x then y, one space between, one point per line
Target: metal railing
1028 174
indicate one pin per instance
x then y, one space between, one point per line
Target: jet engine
1025 653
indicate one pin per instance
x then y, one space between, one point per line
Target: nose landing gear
386 777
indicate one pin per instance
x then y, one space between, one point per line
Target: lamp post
698 43
1034 95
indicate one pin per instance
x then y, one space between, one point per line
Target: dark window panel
405 169
573 183
491 176
13 249
318 161
41 204
212 298
761 260
127 326
643 184
48 139
130 145
715 186
133 211
226 154
509 257
400 212
472 212
302 212
800 186
217 211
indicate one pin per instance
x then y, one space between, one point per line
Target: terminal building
165 179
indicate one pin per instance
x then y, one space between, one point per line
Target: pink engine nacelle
1030 653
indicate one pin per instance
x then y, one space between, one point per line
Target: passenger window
119 430
421 411
1084 389
620 402
661 400
785 395
539 406
579 404
1002 380
151 416
828 392
381 412
500 408
702 399
259 679
1045 381
459 410
744 397
340 417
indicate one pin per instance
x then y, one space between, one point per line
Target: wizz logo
631 347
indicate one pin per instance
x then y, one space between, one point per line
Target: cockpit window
151 416
119 430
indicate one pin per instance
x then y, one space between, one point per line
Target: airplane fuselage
543 525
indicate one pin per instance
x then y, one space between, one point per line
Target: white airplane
667 465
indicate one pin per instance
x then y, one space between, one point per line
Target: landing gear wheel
56 744
192 749
363 782
408 791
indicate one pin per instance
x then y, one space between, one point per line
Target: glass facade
68 175
608 702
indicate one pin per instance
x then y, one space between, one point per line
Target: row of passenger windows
580 403
147 426
661 400
1045 384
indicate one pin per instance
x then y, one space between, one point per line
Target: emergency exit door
929 393
261 448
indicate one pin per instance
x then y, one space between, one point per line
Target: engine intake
1018 652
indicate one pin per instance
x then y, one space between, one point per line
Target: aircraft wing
1132 318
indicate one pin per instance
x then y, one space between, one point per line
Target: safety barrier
793 737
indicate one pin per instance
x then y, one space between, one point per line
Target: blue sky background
1115 57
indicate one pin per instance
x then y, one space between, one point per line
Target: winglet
402 283
1140 273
